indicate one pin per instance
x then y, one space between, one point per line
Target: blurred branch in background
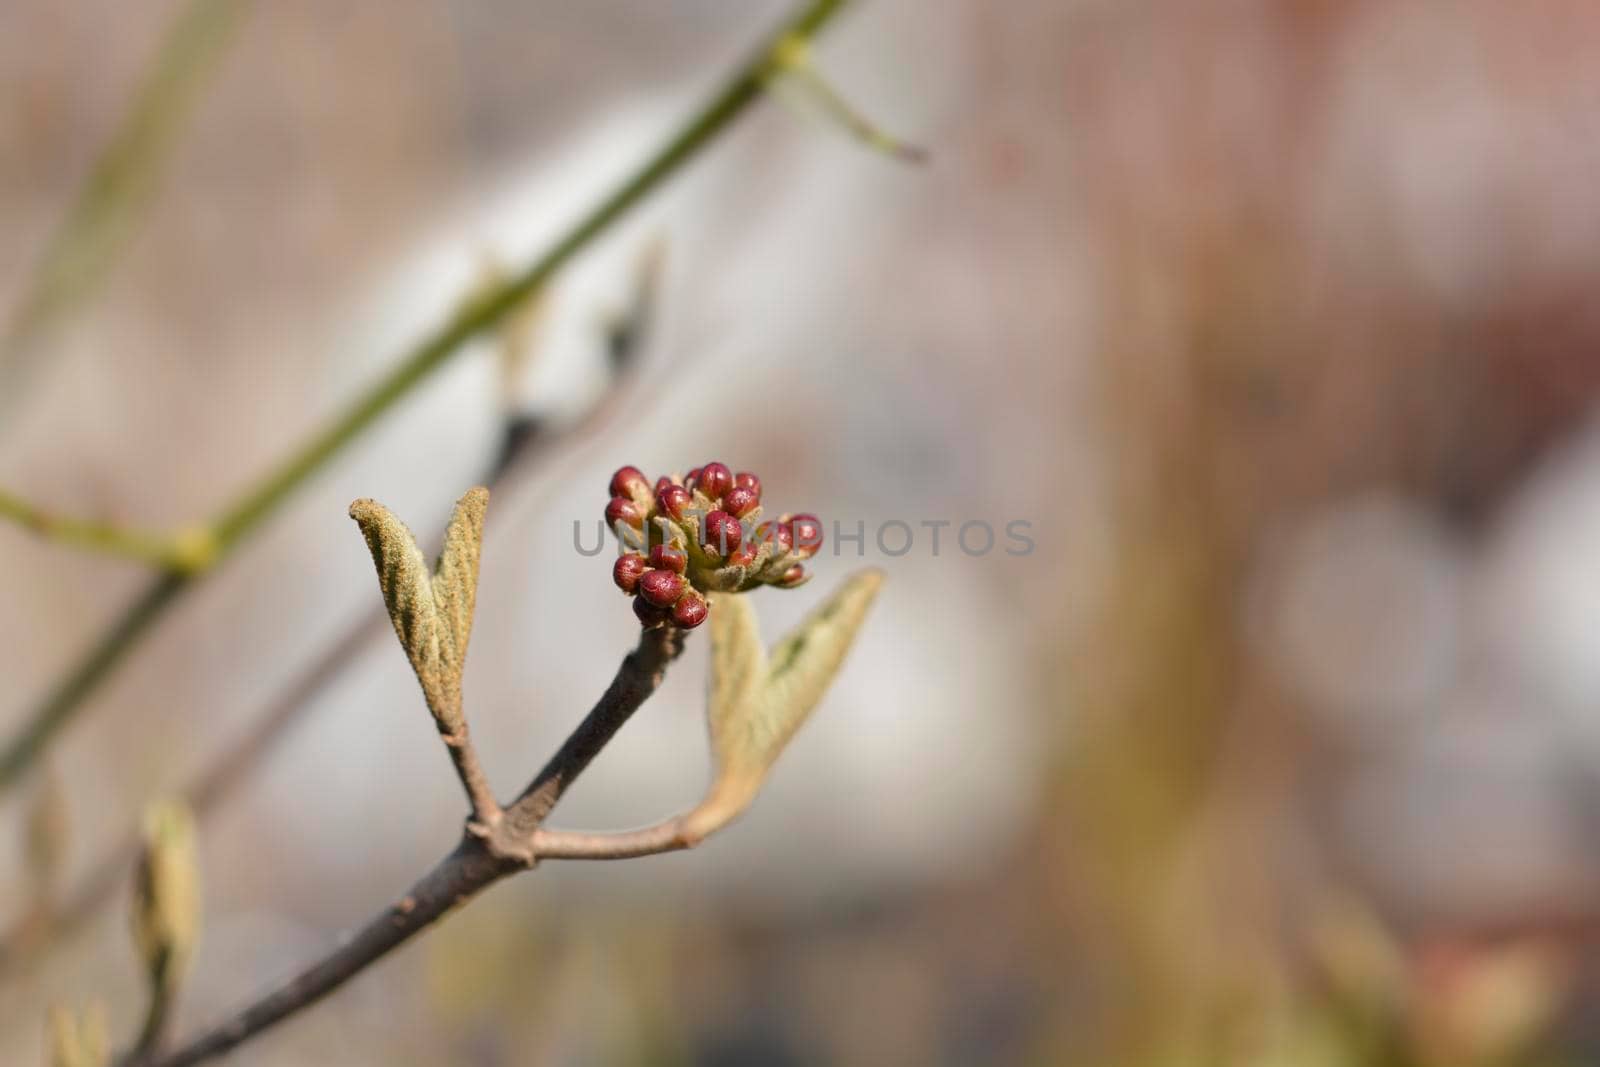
104 214
182 552
794 75
529 446
260 501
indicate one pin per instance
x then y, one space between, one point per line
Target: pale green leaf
76 1042
166 900
432 612
757 705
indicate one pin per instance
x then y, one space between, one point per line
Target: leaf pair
757 702
431 610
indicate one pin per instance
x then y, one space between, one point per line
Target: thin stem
122 181
157 550
667 836
480 860
474 782
157 1019
259 501
27 938
456 879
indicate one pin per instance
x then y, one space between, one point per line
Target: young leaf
166 902
432 612
78 1043
756 706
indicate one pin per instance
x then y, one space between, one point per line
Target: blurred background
1275 320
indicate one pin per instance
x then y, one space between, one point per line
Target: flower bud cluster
699 534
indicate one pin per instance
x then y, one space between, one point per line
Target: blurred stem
122 181
792 64
259 501
178 553
157 1019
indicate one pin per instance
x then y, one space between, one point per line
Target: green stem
154 549
124 176
259 501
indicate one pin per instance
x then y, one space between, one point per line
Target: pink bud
661 588
627 571
629 481
690 611
779 534
739 502
647 613
621 509
715 480
668 558
673 500
744 555
792 577
746 480
721 533
807 530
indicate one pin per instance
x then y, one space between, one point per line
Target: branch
121 183
671 835
523 454
484 856
182 552
474 782
260 501
157 1021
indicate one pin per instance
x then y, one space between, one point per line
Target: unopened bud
166 902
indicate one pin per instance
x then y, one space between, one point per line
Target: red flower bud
692 479
807 530
666 557
622 510
662 588
746 480
715 480
662 482
690 611
627 571
721 533
647 613
779 534
793 576
739 502
744 555
673 500
629 481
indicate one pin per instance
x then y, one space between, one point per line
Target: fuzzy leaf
738 670
78 1042
166 902
757 705
432 612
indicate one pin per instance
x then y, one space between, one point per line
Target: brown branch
526 451
484 856
474 782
